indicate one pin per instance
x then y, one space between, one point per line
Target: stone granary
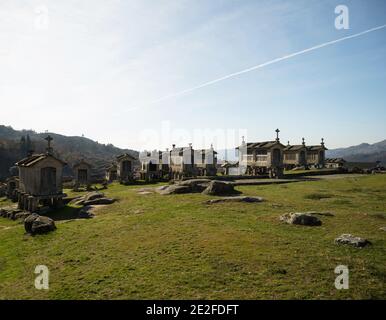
111 172
40 180
205 161
316 155
260 158
82 173
182 162
12 184
125 167
154 165
335 163
295 155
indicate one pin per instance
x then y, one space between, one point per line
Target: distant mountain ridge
363 152
15 144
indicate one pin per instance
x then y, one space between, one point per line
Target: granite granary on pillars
182 162
154 165
261 158
125 167
316 155
12 184
111 172
82 173
295 155
205 161
40 180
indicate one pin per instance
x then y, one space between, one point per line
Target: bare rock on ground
351 240
220 188
35 224
196 185
85 212
87 197
236 199
301 218
173 189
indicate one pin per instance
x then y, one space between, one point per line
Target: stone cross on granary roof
303 142
49 148
277 134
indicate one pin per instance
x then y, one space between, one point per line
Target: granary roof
180 150
230 164
125 155
207 150
316 148
262 145
296 147
112 166
34 159
81 162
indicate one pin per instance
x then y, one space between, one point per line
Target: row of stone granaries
255 158
40 177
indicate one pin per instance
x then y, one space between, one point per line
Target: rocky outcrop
301 218
351 240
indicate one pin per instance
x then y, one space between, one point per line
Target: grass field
177 247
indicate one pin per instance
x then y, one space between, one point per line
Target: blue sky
96 67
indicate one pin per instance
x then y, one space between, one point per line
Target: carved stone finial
277 134
49 148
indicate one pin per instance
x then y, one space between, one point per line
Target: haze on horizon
94 68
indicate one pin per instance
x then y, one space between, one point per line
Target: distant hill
363 152
15 144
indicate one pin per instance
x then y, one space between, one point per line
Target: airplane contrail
259 66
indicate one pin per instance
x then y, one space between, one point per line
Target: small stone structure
182 162
40 180
82 173
205 161
12 187
316 155
295 155
111 173
125 167
154 165
335 163
260 158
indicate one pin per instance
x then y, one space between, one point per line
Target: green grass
177 247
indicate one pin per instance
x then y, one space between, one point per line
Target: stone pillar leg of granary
30 203
34 204
25 202
20 201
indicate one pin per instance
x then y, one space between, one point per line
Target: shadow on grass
317 196
65 213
